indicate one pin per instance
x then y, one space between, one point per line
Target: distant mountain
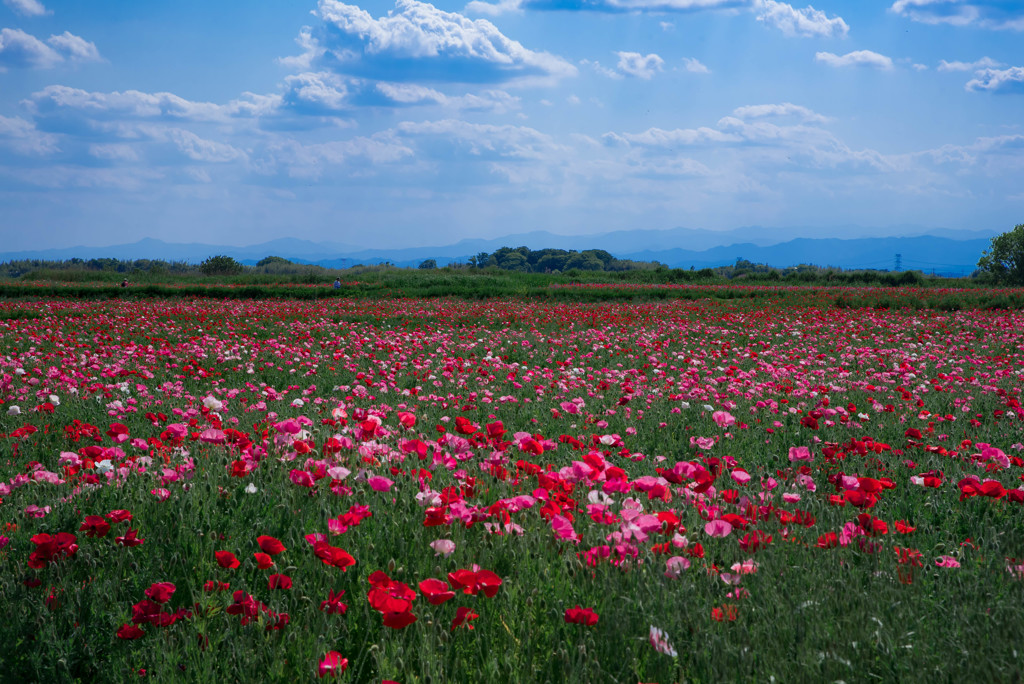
941 250
928 254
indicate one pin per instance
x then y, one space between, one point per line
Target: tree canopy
1004 260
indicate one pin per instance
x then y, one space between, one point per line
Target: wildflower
160 592
333 603
94 526
127 632
270 545
129 539
226 559
279 582
462 618
659 641
331 664
436 591
581 616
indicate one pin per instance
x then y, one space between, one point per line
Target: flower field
435 490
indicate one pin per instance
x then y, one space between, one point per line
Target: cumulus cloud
482 141
23 50
422 43
998 80
641 66
694 66
800 22
28 8
864 58
660 138
503 6
135 104
22 137
983 63
996 15
778 110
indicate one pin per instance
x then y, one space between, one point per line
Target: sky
398 123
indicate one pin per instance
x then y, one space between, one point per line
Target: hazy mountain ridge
941 250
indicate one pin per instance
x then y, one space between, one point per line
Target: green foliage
1003 262
272 260
427 264
221 265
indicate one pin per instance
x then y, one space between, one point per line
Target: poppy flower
94 526
127 632
332 555
119 515
399 620
462 618
331 664
581 616
333 603
160 592
436 591
279 582
226 559
270 545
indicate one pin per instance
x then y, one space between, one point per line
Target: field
795 485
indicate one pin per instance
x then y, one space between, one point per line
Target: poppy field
418 490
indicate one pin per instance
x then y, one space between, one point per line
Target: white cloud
484 141
22 137
28 8
503 6
20 49
983 63
140 105
996 80
421 42
997 15
657 137
857 58
23 50
497 101
494 9
75 48
115 152
804 22
784 109
641 66
320 92
694 66
604 71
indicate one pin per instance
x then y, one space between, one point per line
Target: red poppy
472 582
581 616
226 559
94 526
119 515
463 616
130 538
270 545
398 620
279 582
332 555
436 591
333 603
161 592
127 631
263 561
332 664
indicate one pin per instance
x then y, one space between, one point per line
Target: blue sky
389 124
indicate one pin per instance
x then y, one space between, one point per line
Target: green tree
267 261
428 264
220 265
1004 260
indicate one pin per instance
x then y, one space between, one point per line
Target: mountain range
944 251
